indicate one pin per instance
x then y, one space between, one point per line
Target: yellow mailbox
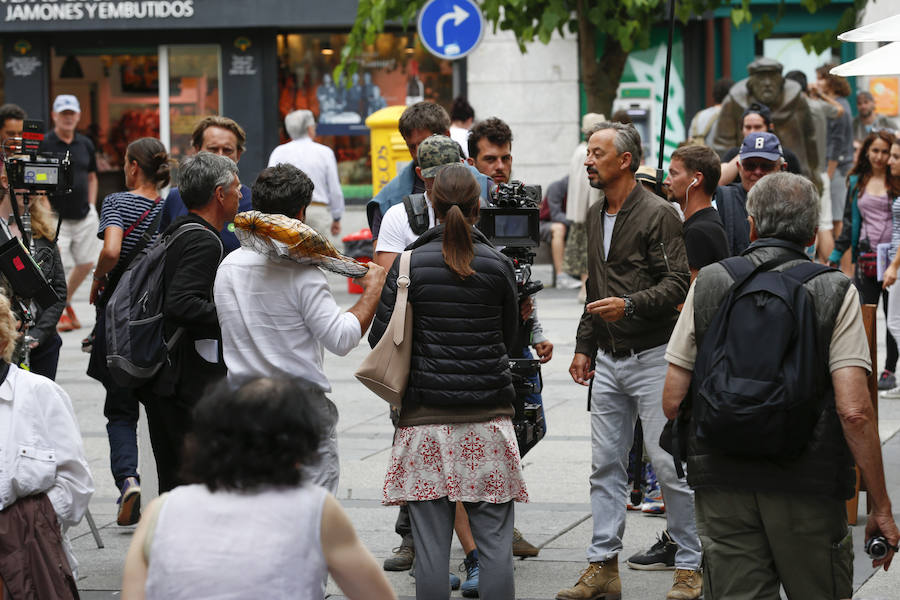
388 147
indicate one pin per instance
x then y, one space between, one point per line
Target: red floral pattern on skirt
469 462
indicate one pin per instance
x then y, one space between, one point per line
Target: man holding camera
78 229
769 522
637 275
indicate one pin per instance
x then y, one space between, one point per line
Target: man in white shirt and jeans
278 317
317 161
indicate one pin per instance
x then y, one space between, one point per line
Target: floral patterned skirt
468 462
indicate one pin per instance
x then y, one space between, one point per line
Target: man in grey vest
767 523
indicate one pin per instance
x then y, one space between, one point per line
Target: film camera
512 223
29 172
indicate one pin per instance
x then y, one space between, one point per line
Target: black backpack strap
117 271
416 212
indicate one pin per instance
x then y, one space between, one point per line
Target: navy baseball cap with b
761 144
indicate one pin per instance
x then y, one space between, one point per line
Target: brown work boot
521 546
401 559
688 585
600 581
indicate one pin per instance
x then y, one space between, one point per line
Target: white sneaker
892 394
564 281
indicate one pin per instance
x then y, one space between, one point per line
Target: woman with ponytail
455 440
124 218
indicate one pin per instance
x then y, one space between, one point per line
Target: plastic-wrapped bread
278 236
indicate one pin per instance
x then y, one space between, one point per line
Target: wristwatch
629 307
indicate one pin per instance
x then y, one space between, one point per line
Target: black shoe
401 559
887 380
660 556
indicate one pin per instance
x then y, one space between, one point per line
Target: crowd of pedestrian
244 433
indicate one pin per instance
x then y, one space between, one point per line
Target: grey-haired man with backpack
211 191
767 378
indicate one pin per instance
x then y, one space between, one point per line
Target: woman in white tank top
249 527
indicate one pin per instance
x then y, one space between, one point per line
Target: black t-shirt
704 238
73 205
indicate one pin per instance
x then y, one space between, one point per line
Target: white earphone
693 182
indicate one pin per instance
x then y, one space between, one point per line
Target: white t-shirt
609 222
319 164
278 317
396 234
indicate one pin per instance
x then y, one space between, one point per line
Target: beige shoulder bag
385 370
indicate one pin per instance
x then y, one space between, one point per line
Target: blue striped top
122 210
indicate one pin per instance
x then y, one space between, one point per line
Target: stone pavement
557 518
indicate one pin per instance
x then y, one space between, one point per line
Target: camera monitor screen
517 227
39 174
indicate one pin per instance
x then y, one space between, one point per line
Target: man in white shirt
278 317
317 161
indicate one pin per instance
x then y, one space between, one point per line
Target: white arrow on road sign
458 15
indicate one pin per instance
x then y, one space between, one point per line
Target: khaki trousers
754 542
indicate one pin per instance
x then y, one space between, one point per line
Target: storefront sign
23 66
84 15
80 10
242 65
885 91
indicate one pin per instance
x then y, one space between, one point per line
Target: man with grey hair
317 161
867 120
211 191
638 274
748 505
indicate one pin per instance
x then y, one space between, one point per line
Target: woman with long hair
45 342
871 188
890 274
124 218
249 525
455 440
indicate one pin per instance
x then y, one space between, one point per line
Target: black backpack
136 347
761 376
416 212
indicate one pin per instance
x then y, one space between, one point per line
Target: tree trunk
599 77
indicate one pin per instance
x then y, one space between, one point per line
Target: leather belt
622 352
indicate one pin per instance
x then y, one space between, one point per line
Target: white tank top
227 545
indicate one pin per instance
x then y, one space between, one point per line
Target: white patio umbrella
883 61
885 30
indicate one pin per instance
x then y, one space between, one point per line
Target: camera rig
511 222
29 173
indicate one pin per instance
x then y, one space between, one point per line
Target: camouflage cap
436 152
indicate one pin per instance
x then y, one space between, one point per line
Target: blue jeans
622 390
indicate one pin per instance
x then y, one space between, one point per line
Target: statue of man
791 116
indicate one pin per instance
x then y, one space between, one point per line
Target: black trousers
169 421
869 291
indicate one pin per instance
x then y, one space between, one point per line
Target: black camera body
512 222
33 171
877 547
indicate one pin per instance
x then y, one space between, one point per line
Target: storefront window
395 70
119 93
193 92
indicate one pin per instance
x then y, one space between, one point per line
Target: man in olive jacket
637 276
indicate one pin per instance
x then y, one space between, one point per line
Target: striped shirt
122 210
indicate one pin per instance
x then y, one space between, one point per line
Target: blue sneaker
129 502
470 586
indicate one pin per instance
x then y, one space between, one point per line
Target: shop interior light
410 44
326 48
71 69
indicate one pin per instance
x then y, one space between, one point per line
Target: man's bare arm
678 380
386 259
364 309
854 408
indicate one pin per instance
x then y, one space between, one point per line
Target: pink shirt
876 219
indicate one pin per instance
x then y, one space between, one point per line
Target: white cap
66 102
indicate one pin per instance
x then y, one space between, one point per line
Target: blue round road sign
451 29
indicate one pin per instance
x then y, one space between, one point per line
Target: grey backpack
136 347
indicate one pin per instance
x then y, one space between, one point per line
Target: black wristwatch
629 307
